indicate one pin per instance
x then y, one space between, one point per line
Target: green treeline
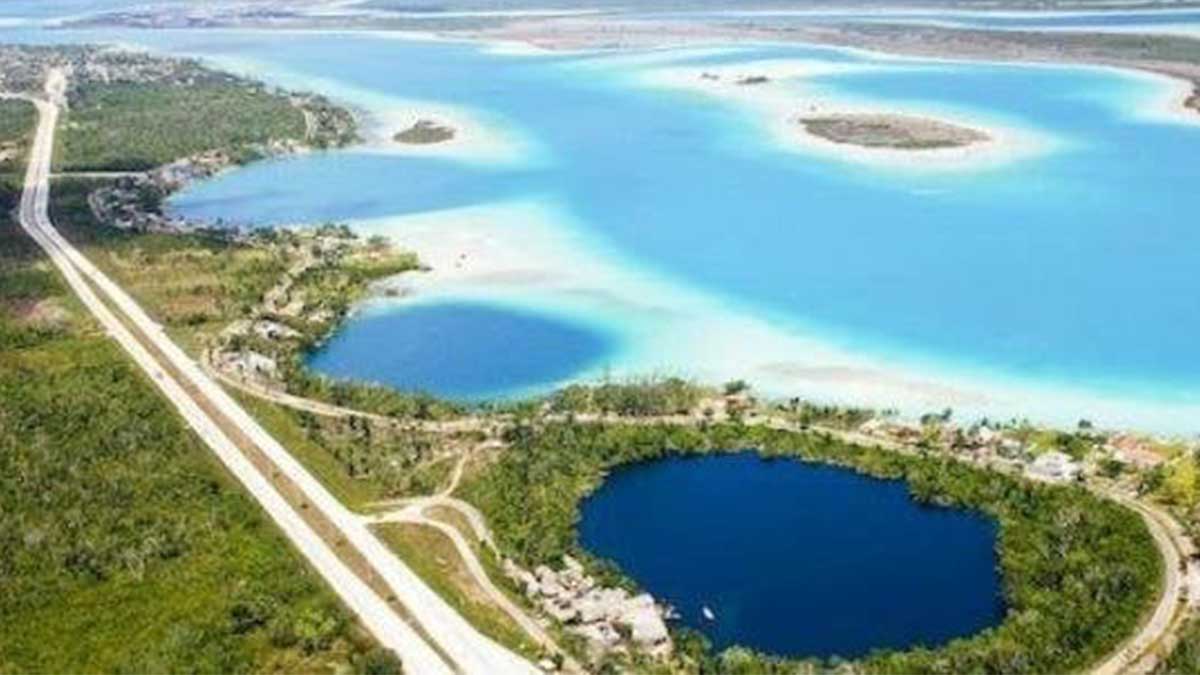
635 398
135 127
16 129
124 546
1078 570
1185 658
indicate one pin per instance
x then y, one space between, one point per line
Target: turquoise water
1053 267
796 559
1070 270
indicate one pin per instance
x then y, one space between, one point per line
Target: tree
1179 487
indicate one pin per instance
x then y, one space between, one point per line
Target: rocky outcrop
425 132
610 619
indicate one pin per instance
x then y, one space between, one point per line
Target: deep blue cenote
796 559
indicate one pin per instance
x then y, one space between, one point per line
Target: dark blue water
796 559
459 350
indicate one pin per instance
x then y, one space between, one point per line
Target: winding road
431 637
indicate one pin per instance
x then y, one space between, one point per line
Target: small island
425 132
900 132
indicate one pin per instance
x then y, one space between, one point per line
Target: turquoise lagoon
1056 286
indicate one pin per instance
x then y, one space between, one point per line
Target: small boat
708 613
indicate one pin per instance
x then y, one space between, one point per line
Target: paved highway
194 394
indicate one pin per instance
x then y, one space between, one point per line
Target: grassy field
134 127
124 545
359 461
433 557
195 284
285 425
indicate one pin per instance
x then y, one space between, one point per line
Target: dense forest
16 129
135 127
1078 570
124 545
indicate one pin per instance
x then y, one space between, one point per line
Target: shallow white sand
532 255
779 103
478 139
1169 102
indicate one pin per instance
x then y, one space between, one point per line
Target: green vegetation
806 414
17 119
135 127
195 284
124 546
360 460
1078 570
434 558
1185 658
639 398
364 396
133 112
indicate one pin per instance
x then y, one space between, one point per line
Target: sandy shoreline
781 101
529 255
951 44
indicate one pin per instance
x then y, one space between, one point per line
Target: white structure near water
1054 467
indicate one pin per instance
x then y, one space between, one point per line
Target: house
1130 449
1054 467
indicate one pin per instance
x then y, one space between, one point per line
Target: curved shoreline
777 98
827 447
968 549
558 266
549 264
1156 614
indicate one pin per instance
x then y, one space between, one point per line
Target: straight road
217 419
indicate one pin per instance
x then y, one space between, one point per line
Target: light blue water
1075 268
461 350
1068 267
795 559
997 19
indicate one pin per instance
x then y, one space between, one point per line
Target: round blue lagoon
459 350
796 559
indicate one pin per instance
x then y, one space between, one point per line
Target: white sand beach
782 99
530 254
